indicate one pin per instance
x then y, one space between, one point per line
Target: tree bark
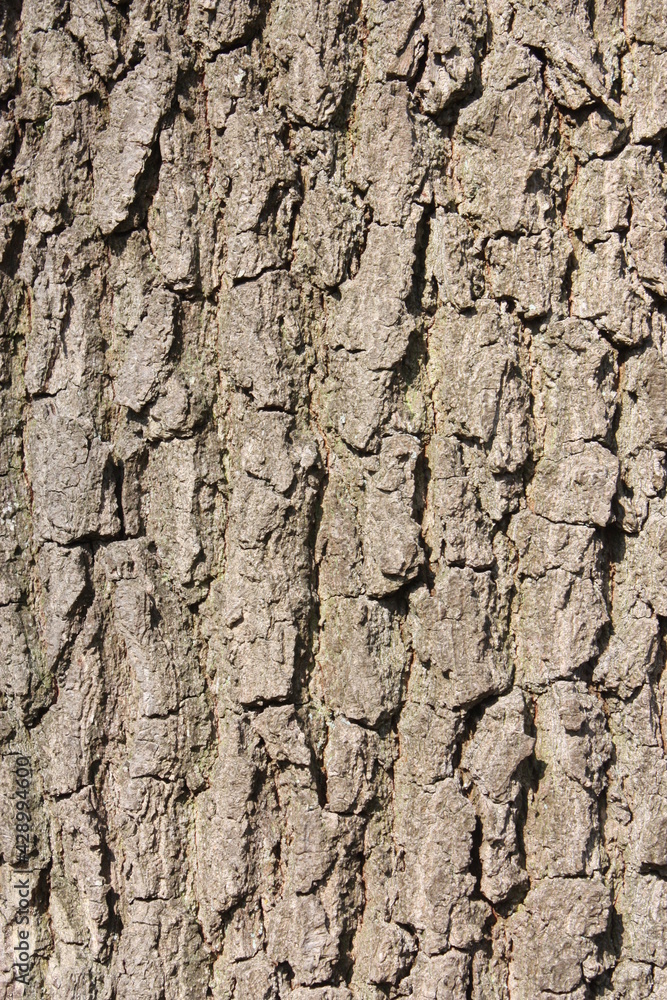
333 520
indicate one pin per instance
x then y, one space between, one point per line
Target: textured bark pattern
333 365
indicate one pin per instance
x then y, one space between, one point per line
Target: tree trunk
333 518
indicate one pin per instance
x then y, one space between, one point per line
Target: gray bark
333 376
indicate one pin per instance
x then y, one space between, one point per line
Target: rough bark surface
333 376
